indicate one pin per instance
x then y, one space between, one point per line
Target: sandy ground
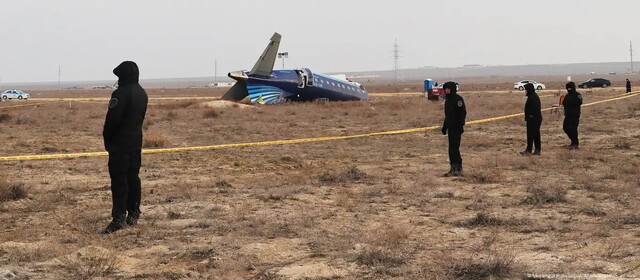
365 208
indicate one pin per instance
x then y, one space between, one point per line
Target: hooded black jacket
532 108
127 108
455 111
572 103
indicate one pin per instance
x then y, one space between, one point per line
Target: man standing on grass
455 113
123 140
628 86
533 117
571 104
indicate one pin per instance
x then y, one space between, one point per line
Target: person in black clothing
455 113
571 104
123 140
533 117
628 86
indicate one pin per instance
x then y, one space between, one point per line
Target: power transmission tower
396 56
59 75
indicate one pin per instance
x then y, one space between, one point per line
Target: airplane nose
238 75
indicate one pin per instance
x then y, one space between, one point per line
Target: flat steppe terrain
363 208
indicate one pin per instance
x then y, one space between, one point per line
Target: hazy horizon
170 39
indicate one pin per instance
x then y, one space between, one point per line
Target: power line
631 53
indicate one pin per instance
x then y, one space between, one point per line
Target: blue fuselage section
302 85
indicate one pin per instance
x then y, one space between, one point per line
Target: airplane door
309 76
302 78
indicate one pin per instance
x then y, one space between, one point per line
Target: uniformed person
123 140
571 104
628 86
533 117
455 113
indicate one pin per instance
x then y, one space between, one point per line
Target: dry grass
501 266
210 113
483 176
180 104
153 140
538 196
11 191
5 117
485 220
90 266
352 174
364 208
388 246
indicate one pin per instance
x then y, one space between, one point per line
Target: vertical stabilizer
264 65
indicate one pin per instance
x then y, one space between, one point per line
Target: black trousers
628 90
533 135
570 127
124 168
454 147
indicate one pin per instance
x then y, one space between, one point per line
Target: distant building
220 84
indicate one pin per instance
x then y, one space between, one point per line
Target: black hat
530 88
451 86
571 85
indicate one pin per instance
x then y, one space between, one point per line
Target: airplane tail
237 92
264 65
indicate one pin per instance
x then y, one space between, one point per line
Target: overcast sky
179 38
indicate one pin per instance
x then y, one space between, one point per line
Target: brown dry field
365 208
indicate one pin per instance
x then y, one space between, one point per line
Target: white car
520 85
14 94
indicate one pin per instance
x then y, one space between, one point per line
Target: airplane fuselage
301 85
264 85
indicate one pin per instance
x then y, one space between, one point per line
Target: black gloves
444 130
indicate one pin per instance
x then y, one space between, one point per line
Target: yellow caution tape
395 94
105 102
282 142
107 99
25 105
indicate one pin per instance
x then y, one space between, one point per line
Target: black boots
526 153
122 222
132 218
455 171
529 153
115 225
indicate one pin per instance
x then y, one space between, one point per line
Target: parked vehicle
597 82
14 94
520 85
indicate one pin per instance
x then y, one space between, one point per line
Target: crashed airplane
267 86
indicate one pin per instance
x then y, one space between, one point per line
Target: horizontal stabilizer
264 65
237 92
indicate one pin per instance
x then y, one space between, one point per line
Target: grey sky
172 39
